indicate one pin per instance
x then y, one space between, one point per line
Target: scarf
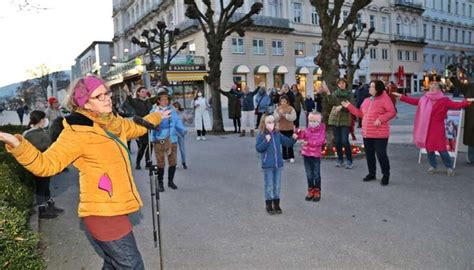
342 93
107 121
423 116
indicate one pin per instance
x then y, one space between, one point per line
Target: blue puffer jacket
264 102
169 127
271 151
246 100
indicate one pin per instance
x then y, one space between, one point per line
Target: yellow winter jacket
88 147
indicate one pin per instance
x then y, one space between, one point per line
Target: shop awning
186 76
316 70
302 70
114 80
239 69
280 70
261 69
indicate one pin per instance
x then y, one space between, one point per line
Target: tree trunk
328 61
214 81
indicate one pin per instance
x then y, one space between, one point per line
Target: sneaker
450 172
198 138
43 213
339 163
203 138
292 160
431 170
349 165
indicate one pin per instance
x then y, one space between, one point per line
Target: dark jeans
287 151
43 193
121 254
259 116
236 124
143 140
202 132
312 167
297 120
341 137
377 147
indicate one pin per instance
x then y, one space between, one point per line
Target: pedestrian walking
181 137
468 136
376 113
234 108
268 144
263 102
285 116
248 108
20 111
314 137
310 106
341 120
53 111
299 104
429 127
202 120
94 140
141 105
39 138
165 140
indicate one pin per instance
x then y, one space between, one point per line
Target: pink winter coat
315 138
374 108
436 137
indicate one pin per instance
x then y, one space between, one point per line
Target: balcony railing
409 39
409 4
266 21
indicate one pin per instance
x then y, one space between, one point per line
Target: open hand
295 136
470 99
166 114
338 108
268 137
345 103
9 139
396 94
377 123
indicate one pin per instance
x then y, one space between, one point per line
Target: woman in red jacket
429 129
376 112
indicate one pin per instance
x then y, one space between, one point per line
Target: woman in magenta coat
376 113
429 129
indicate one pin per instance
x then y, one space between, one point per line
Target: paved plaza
216 219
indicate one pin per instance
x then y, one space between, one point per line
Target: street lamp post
164 38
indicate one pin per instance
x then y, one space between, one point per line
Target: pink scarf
422 117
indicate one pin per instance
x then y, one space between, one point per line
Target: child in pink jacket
376 113
314 137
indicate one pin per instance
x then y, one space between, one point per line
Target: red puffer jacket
372 109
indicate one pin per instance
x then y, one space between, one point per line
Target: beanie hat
84 88
52 100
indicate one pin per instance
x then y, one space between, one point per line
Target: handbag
333 115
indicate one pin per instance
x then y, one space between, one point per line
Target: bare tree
41 77
215 32
352 36
332 28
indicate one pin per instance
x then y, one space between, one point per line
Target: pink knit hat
84 88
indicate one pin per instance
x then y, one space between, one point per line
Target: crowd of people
108 191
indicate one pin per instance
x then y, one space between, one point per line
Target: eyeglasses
102 96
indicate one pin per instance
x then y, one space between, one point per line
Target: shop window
278 80
258 78
240 80
301 82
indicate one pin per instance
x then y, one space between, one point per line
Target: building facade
448 26
95 59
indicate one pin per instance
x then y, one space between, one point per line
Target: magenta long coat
436 139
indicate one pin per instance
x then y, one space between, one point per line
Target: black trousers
42 191
202 132
259 117
236 123
287 152
377 147
297 120
143 149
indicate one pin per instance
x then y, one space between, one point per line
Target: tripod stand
155 200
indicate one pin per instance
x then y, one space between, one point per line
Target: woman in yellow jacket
94 140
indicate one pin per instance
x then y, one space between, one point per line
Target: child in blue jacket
268 145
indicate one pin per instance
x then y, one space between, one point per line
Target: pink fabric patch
105 184
84 88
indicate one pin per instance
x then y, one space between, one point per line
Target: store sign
187 68
307 61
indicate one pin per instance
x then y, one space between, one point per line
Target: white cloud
53 37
